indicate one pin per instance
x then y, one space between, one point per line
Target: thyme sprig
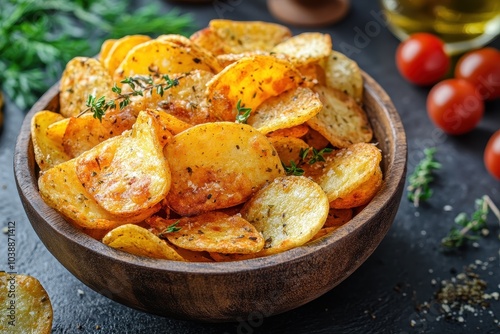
471 229
242 113
419 181
170 229
317 155
139 86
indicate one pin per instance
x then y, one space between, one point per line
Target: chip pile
258 144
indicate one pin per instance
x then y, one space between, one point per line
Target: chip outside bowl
219 292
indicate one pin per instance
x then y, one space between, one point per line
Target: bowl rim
26 180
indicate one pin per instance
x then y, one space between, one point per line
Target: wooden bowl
217 292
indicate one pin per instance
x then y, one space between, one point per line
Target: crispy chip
61 189
343 73
83 133
129 175
306 48
82 77
218 165
106 47
338 217
296 131
226 36
345 173
323 232
26 306
288 109
120 49
216 232
170 123
315 139
250 80
288 212
48 151
342 121
137 240
288 148
164 57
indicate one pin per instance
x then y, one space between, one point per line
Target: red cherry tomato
454 106
422 60
482 68
492 155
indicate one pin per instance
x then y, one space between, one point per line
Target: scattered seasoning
419 181
80 293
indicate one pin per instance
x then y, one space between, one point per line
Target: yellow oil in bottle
462 24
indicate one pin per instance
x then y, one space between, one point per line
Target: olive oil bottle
462 24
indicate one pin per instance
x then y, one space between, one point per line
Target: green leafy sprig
139 86
471 229
38 37
419 181
317 155
170 229
242 113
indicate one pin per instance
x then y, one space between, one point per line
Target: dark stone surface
384 294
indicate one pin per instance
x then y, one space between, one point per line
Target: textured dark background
384 295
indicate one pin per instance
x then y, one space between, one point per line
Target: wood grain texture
218 292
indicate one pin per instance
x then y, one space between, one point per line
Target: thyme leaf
419 181
170 229
242 113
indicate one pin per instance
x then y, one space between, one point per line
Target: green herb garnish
293 169
139 85
317 155
170 229
421 178
38 37
242 113
471 229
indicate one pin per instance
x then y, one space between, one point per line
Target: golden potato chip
216 232
251 80
296 131
120 49
82 77
345 171
306 48
26 306
338 217
343 73
48 152
56 130
288 212
61 189
288 109
315 139
128 175
229 58
323 231
170 123
226 36
362 194
288 148
313 73
106 47
164 57
83 133
137 240
218 165
342 121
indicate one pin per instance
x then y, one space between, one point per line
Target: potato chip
345 172
288 109
128 175
343 73
229 58
83 133
139 241
164 57
48 151
250 80
26 306
342 121
120 49
218 165
170 123
288 212
338 217
106 47
306 48
288 148
56 130
226 36
221 257
216 232
296 131
315 139
82 77
61 189
323 232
